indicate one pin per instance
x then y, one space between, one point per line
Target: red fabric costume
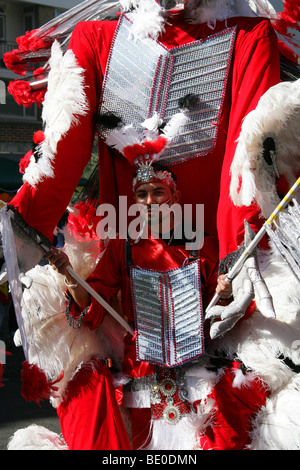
90 418
204 180
233 407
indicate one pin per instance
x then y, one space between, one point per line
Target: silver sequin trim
168 314
144 77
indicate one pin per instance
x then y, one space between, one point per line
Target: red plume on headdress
140 153
146 146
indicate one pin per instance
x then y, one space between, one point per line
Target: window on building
2 24
29 19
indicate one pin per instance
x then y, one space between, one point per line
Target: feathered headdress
142 149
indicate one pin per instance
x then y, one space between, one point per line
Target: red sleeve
43 207
255 69
106 281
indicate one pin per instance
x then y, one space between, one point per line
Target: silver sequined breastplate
144 77
168 314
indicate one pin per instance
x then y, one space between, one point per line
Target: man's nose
149 199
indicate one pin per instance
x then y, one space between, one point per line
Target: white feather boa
276 426
65 100
36 438
53 344
277 115
148 18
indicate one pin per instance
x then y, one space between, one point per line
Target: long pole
252 245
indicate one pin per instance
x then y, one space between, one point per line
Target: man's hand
224 288
59 261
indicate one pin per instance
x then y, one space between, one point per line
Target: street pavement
15 412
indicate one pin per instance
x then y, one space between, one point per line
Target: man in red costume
173 400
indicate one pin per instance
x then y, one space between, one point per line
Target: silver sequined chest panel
144 77
168 314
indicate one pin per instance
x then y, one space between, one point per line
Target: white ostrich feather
172 129
148 19
153 123
36 438
276 426
65 100
53 344
276 115
185 434
122 137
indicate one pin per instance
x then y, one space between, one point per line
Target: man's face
152 195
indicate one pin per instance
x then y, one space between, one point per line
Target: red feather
84 221
24 162
30 41
38 137
23 94
13 62
35 385
291 14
